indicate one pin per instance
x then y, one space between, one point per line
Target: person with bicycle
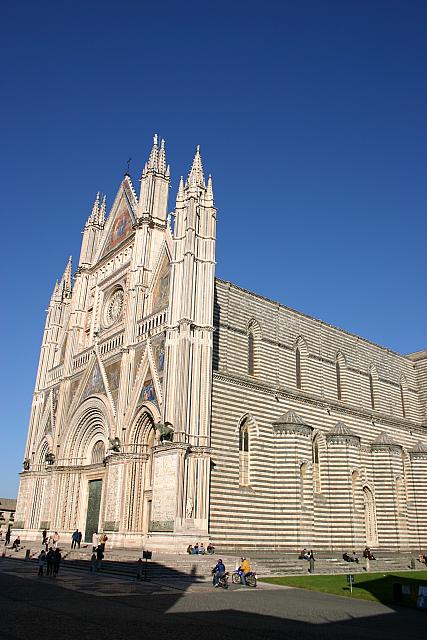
244 569
218 571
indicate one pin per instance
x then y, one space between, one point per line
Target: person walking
49 562
41 560
56 562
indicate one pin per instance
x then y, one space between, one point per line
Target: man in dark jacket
218 571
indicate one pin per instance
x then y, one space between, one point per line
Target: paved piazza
80 605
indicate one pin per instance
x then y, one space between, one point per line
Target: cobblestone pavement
82 605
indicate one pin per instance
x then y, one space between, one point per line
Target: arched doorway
140 474
370 518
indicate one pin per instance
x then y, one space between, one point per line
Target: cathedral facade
172 407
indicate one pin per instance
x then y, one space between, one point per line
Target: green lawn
368 586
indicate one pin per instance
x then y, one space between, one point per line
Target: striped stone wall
290 501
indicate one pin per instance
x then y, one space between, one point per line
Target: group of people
219 570
422 558
200 548
76 539
352 557
51 560
50 540
98 550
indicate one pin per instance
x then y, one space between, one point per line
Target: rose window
114 308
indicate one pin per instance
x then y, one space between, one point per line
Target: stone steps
122 562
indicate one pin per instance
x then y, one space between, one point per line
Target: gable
119 229
95 383
160 290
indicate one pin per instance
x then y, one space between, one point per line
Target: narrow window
298 368
402 400
251 357
371 389
338 373
244 454
315 462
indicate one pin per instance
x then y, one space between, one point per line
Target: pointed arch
340 368
244 452
253 331
301 353
317 447
370 517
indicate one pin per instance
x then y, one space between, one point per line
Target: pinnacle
102 209
66 284
162 158
180 194
93 218
196 177
153 159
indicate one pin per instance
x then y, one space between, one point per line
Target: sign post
350 580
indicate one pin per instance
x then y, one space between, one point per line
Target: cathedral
172 407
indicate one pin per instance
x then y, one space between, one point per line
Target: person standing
55 539
79 538
56 562
41 561
102 541
99 557
49 562
44 535
74 539
8 534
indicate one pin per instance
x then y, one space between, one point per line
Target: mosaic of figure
121 228
161 288
95 383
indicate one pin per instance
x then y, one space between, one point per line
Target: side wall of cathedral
319 437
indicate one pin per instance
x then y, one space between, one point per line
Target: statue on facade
165 431
50 458
114 444
26 464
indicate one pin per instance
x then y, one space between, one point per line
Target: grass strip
379 587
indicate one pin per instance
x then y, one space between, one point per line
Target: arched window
98 452
254 337
251 354
370 518
403 387
338 374
371 390
298 368
354 488
244 454
316 466
303 479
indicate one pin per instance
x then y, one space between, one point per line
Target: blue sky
310 116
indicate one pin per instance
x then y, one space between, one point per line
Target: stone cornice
317 401
334 438
310 356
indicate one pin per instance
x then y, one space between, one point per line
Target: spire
196 177
93 218
66 284
180 194
153 159
209 198
101 214
55 293
162 157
